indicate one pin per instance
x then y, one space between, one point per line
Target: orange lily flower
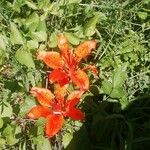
65 63
55 108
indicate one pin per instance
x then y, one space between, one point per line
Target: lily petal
84 49
63 45
51 59
54 124
43 95
81 79
39 111
72 103
60 92
58 75
73 112
75 94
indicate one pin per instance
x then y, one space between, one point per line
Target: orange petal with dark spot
51 59
84 49
59 76
39 111
43 95
53 125
81 79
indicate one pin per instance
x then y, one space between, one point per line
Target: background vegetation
117 106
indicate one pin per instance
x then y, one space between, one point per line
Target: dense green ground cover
117 106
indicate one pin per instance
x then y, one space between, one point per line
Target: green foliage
73 39
115 119
6 110
15 35
90 26
25 58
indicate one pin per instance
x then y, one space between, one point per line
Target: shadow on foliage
107 127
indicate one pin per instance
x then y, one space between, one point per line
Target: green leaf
25 58
90 26
40 126
142 15
46 145
8 133
6 110
31 5
42 26
11 140
32 22
18 129
119 76
72 38
31 78
39 36
32 44
42 4
107 87
15 35
17 4
26 106
66 139
53 40
2 142
54 8
40 122
117 93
